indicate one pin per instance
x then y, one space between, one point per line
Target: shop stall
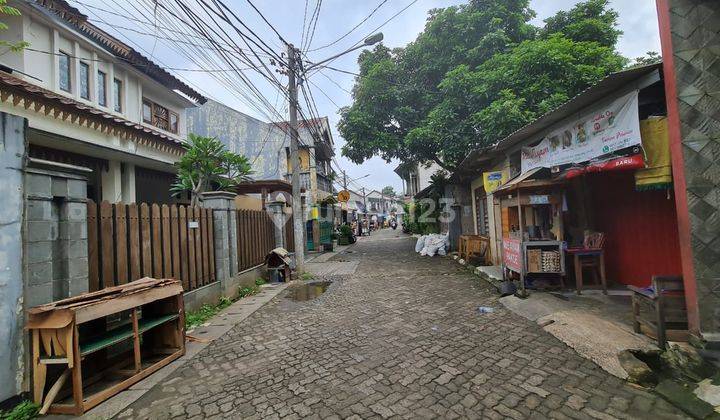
532 228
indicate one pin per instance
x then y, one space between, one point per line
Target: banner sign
512 255
603 131
493 180
539 199
624 163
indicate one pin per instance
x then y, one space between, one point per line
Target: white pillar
128 183
112 182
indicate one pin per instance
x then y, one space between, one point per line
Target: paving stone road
401 337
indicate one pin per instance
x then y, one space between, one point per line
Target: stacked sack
432 244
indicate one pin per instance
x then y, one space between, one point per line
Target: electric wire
351 30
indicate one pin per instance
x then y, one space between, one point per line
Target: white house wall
50 38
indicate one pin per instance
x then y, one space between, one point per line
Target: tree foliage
651 57
207 165
11 46
389 191
476 73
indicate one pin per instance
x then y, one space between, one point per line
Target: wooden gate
129 241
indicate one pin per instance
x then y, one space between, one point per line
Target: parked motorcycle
393 224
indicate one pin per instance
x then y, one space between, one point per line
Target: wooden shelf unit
89 360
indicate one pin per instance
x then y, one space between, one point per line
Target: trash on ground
485 310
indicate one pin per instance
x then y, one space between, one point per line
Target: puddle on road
308 291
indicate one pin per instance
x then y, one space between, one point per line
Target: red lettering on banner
512 256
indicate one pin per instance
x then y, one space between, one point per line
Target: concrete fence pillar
56 232
277 212
225 232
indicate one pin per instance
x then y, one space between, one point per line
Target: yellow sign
344 196
493 180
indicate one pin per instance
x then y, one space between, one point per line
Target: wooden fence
256 237
130 241
289 235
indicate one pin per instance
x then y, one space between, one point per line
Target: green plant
248 291
346 231
26 410
259 282
10 11
206 165
206 311
306 276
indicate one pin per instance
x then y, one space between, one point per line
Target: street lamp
371 40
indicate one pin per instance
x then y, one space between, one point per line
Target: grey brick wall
695 26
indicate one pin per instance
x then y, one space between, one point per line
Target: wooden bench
660 312
104 342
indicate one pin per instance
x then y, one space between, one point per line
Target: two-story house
92 101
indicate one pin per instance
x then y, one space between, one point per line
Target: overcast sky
637 19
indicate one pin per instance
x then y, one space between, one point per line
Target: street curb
215 328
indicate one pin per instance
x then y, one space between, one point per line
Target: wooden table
588 258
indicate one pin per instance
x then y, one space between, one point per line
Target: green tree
651 57
389 191
591 21
11 46
208 165
475 74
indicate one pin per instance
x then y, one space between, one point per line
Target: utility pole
294 63
364 204
344 188
298 222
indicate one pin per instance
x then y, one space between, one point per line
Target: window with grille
102 88
117 95
64 72
159 116
481 212
84 80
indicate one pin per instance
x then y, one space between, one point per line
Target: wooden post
77 373
136 340
523 292
39 369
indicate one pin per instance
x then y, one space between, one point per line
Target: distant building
267 145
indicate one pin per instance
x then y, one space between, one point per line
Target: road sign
344 196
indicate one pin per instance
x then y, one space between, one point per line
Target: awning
515 182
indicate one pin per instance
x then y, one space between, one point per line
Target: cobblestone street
400 337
